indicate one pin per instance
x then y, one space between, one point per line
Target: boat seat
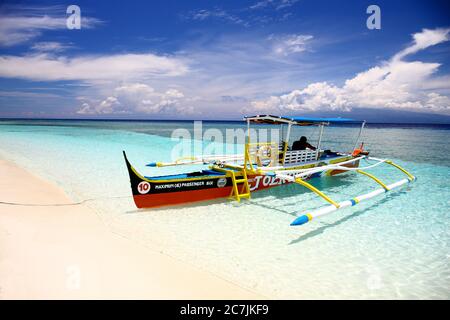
297 156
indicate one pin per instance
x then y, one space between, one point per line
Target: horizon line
191 120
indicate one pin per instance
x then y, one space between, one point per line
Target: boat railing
297 156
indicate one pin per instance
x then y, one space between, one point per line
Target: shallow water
394 246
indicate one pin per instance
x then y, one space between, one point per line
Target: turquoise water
394 246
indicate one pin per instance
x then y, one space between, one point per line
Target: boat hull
152 193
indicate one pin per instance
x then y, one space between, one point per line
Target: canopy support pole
359 135
248 131
320 141
286 142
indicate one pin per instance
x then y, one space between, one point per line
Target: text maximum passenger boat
263 165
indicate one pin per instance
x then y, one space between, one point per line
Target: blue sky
223 59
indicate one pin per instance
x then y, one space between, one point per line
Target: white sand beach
66 252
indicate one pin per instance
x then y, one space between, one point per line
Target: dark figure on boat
302 144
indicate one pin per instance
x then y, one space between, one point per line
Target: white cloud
395 84
289 44
246 16
50 46
135 90
27 94
174 93
86 109
423 40
216 13
140 98
31 22
277 4
122 66
107 106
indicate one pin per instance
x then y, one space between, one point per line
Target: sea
395 246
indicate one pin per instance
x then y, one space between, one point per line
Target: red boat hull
152 193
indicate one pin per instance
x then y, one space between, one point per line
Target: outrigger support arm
317 191
410 176
374 178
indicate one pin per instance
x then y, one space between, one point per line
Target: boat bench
300 156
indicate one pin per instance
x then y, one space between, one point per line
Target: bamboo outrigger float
263 165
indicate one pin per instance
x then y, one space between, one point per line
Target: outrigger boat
262 165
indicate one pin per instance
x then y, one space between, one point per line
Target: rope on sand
58 204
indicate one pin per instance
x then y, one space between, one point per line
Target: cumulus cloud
107 106
139 98
394 84
25 24
44 67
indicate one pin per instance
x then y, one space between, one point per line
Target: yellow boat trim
172 180
345 158
138 174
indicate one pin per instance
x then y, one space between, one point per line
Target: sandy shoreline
65 252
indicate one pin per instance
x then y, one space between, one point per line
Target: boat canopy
300 121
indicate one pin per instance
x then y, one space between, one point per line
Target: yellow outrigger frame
302 219
334 203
